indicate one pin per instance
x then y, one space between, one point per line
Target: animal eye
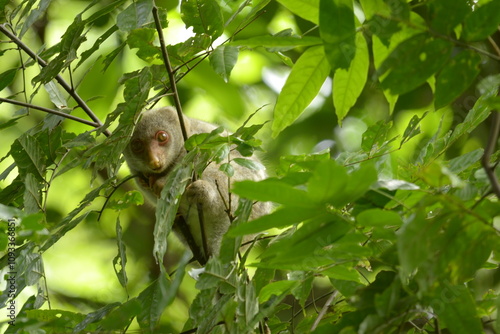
161 137
137 146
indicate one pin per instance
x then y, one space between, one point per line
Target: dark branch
50 111
81 103
488 151
171 76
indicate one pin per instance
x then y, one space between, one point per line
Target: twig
166 61
323 310
488 151
50 111
81 103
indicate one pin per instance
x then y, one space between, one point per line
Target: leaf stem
51 111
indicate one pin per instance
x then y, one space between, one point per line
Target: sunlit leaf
136 15
307 9
302 85
272 190
348 84
223 59
204 16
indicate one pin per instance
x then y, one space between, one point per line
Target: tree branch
168 66
81 103
488 151
50 111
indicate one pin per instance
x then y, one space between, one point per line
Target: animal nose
155 164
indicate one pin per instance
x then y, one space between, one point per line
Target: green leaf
86 54
412 129
277 41
338 31
282 217
445 15
167 206
482 22
204 16
34 15
143 39
121 257
279 288
379 218
328 179
135 16
32 196
457 309
475 116
456 76
223 59
413 62
158 295
250 164
28 155
130 198
374 138
307 9
7 77
314 244
348 84
227 168
461 163
303 84
272 190
95 316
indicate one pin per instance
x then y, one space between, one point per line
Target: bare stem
488 151
166 61
51 111
81 103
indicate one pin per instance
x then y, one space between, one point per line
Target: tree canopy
377 121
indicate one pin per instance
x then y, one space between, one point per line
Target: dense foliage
382 164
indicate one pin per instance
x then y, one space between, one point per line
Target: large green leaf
456 76
223 59
307 9
204 16
348 84
456 307
303 84
482 22
413 62
445 15
328 180
136 15
273 190
338 31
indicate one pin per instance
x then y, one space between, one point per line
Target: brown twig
81 103
50 111
171 76
488 151
166 61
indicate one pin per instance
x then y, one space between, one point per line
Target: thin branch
51 111
166 61
81 103
488 151
323 310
